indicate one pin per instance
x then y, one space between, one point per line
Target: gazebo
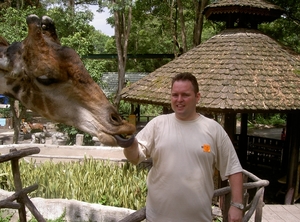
239 71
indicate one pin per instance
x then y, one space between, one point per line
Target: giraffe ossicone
51 80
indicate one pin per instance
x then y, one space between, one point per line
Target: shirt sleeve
227 160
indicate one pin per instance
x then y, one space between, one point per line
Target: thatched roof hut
240 70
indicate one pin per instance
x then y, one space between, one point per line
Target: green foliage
71 131
270 120
13 22
286 29
5 113
124 108
5 216
95 68
90 180
151 110
73 29
3 181
145 109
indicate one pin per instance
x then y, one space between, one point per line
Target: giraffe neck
16 80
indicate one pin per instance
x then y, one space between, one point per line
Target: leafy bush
4 216
5 113
271 120
151 110
71 131
93 181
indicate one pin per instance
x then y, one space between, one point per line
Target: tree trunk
182 24
122 31
18 112
198 27
173 24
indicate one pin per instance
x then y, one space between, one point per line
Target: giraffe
51 80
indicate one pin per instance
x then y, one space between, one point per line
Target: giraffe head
51 80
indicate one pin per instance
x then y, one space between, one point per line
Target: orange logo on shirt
206 148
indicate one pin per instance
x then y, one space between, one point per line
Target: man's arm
236 184
132 152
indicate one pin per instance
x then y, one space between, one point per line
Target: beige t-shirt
184 154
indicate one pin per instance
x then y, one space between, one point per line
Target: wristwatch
237 205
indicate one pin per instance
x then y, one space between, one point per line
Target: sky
99 21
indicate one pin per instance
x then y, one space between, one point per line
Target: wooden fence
251 182
21 193
224 194
264 151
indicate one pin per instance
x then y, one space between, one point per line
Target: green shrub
71 131
4 216
90 180
5 113
276 120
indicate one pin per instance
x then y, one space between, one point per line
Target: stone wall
75 211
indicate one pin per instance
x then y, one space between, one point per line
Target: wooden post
293 130
18 186
21 194
230 125
259 208
243 142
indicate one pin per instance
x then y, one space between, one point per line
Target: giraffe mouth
124 141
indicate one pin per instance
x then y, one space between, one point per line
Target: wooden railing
264 151
21 193
224 194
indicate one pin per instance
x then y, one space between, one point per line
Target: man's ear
198 96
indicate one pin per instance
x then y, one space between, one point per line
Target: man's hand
235 214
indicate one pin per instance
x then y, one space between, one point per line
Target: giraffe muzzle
124 142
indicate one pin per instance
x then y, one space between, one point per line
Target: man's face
184 100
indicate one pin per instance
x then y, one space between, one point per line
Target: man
185 148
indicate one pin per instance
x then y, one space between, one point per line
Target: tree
183 32
18 112
153 27
122 12
199 18
287 28
122 15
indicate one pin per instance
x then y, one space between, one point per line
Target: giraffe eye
45 80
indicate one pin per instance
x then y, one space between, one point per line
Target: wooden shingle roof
239 70
260 10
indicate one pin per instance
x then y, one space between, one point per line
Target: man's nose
180 97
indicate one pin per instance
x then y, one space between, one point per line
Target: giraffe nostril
115 118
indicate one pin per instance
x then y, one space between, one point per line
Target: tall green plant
90 181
